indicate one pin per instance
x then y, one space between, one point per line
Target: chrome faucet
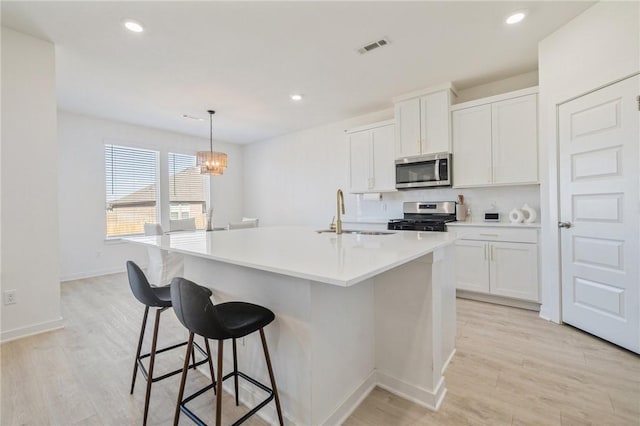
339 205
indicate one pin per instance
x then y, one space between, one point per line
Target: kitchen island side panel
409 328
343 356
288 337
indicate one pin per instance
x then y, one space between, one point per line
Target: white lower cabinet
500 268
472 267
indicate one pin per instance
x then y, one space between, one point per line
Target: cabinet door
515 140
434 109
360 161
472 265
514 270
383 151
472 146
408 127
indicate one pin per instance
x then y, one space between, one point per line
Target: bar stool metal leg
235 370
183 379
271 377
219 385
135 362
152 360
213 376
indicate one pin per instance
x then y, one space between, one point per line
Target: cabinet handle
485 251
489 235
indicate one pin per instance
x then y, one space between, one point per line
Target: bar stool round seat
160 299
241 318
231 320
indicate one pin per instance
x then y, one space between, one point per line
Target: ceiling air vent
373 45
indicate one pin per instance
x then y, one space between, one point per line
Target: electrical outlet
10 297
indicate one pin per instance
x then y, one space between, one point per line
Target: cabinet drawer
484 233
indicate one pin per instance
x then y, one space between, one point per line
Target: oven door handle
437 170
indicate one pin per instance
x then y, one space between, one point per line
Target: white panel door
472 146
599 198
515 140
514 270
360 161
434 109
383 152
472 265
408 127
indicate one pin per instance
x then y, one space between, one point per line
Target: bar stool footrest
244 418
143 369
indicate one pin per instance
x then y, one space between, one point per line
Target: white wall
29 186
293 179
83 249
520 81
599 46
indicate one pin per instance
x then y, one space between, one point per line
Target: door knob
564 224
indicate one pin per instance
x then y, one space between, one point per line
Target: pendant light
211 162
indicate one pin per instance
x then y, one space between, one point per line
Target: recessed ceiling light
133 26
296 97
516 17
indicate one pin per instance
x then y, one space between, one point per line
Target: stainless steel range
425 216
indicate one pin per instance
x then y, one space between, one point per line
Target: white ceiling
243 59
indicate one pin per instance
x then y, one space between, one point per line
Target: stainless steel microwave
423 171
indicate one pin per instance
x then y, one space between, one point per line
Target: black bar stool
231 320
160 298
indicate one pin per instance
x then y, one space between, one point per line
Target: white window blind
187 189
131 190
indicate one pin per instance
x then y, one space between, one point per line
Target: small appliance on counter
425 216
491 215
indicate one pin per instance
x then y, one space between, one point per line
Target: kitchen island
352 311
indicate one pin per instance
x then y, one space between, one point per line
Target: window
187 189
131 192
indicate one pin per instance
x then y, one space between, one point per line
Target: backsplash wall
478 199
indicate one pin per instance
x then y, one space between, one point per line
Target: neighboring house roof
186 186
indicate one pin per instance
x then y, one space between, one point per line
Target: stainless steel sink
352 231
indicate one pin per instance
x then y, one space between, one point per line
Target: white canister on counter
529 213
516 216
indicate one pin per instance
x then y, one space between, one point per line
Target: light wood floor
511 368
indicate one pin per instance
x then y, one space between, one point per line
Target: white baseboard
448 361
499 300
22 332
96 273
250 396
352 402
420 396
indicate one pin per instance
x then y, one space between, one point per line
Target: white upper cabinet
408 127
372 158
472 146
360 160
495 140
422 123
514 124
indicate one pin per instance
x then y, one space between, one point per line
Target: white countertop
496 224
301 252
